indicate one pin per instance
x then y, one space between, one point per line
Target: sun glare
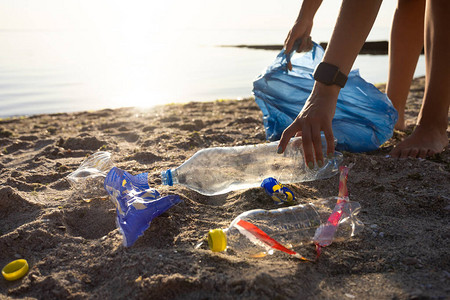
142 53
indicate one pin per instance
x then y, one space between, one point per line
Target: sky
167 17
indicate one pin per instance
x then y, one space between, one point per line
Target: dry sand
75 250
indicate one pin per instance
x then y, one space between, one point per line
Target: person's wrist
329 74
305 19
321 89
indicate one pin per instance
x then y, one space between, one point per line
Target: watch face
326 73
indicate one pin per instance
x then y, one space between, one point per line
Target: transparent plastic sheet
364 117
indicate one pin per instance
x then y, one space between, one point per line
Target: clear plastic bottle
215 171
259 232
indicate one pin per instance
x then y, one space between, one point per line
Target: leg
405 46
430 134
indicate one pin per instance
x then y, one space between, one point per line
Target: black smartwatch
329 74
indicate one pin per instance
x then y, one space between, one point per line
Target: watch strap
329 74
341 79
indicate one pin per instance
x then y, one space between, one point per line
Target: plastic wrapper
364 117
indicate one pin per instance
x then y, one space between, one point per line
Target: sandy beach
75 251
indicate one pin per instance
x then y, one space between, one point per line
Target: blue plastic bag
136 203
364 117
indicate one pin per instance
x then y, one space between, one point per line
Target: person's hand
300 31
316 116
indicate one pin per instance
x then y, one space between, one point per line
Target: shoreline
371 47
74 249
11 118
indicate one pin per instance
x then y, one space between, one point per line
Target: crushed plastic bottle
258 232
220 170
88 179
136 203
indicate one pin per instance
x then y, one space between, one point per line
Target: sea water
64 71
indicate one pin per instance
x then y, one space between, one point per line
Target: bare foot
421 143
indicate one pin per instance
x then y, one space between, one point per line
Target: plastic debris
259 232
342 212
15 270
219 170
87 180
136 203
277 191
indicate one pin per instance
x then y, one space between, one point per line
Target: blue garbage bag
364 117
136 203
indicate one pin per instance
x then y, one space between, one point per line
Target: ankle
432 126
400 125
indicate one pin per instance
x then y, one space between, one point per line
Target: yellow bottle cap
217 240
15 269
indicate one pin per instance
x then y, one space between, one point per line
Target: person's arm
302 27
355 20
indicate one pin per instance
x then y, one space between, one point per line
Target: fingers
308 146
317 144
328 132
297 44
309 45
289 132
306 45
311 140
288 44
286 40
313 146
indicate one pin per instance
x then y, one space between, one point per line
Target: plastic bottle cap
15 269
166 177
217 240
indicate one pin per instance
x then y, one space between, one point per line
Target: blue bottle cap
166 177
278 192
